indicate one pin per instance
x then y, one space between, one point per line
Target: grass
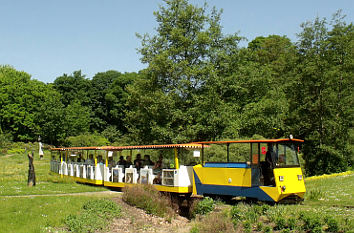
39 213
95 215
13 178
328 207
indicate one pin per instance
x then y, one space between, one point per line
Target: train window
255 153
263 150
287 155
218 153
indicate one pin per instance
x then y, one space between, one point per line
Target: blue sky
47 38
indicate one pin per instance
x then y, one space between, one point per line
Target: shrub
204 206
149 199
94 216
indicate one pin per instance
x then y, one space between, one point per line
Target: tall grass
149 199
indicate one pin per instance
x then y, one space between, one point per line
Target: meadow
54 204
41 208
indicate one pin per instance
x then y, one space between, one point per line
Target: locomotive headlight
299 177
281 178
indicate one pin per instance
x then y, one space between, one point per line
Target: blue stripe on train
253 192
227 165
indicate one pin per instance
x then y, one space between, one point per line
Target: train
266 170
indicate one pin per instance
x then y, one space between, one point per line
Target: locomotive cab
271 171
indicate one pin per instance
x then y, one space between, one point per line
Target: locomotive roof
252 141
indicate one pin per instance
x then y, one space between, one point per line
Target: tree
324 93
73 87
180 60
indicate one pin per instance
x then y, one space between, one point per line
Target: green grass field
44 212
21 211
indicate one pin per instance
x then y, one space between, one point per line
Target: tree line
200 84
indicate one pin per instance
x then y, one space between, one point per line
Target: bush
204 206
94 216
149 199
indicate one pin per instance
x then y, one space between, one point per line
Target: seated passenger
79 159
122 161
128 163
111 162
147 161
157 171
138 162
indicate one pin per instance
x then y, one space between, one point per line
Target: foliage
214 222
87 140
94 216
204 206
199 85
149 199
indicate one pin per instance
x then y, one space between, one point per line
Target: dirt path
113 193
136 220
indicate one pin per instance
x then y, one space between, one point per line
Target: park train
272 172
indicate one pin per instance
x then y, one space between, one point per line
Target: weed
149 199
235 213
204 206
247 226
332 224
315 195
215 222
95 215
310 221
259 226
280 223
291 223
194 229
267 229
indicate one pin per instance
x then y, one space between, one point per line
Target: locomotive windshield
287 155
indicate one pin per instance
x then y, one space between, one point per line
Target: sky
47 38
